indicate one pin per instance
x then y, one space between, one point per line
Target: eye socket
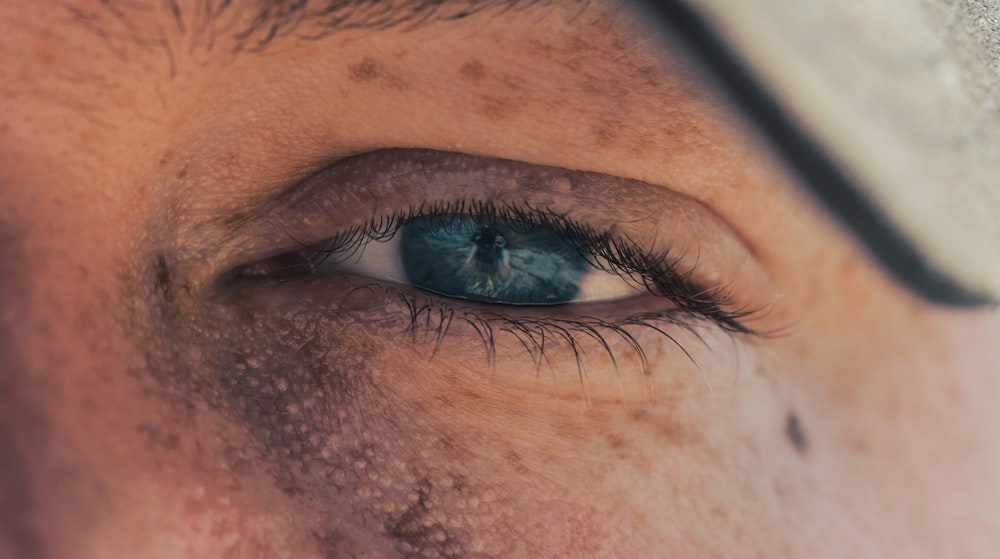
488 260
593 276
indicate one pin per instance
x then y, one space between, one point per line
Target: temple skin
150 409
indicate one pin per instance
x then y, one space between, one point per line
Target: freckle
364 71
540 48
604 136
172 442
496 108
473 70
719 512
795 434
512 458
615 441
44 54
859 445
674 433
182 174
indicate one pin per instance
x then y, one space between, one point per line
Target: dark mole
162 284
364 71
408 528
795 434
417 537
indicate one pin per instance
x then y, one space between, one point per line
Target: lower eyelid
636 352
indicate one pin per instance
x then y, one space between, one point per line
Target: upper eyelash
654 271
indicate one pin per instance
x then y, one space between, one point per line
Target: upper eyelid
371 182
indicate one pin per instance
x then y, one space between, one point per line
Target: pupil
489 249
497 261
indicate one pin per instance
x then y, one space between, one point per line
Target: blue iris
491 260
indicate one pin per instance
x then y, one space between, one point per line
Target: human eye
527 265
479 252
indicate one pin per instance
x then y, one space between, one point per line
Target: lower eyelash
430 318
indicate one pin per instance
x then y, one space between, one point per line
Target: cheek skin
412 456
482 470
341 430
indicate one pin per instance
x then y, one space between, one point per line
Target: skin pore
169 391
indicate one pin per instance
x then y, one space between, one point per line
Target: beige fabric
905 93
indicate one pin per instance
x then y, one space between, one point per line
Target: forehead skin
125 127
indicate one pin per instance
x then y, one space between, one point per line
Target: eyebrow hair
251 25
324 17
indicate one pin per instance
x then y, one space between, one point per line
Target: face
487 280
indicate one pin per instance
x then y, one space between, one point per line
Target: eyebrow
252 25
318 19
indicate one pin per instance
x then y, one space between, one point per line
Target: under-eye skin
502 258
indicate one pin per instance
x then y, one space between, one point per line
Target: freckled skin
364 71
151 408
338 424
